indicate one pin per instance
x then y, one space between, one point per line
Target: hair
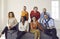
44 8
12 14
32 17
35 7
24 6
24 18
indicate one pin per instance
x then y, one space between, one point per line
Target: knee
37 31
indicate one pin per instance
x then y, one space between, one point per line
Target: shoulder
26 11
51 20
31 22
32 11
37 22
22 11
14 18
26 22
42 13
38 11
48 13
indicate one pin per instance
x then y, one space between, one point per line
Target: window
55 9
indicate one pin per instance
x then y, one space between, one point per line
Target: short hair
25 6
35 7
44 8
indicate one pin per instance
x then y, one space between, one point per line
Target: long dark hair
32 17
24 18
12 14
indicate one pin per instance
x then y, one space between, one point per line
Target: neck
24 10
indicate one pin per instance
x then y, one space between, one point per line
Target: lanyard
47 25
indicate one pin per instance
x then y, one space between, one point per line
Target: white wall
0 13
17 5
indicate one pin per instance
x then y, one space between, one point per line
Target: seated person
12 22
23 27
25 13
49 26
35 13
33 28
43 13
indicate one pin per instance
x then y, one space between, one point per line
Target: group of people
45 24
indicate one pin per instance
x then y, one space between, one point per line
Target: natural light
55 9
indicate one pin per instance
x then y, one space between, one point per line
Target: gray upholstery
31 36
13 35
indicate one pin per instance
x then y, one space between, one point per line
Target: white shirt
24 27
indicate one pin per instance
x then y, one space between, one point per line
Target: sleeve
40 27
15 22
51 23
40 19
31 14
8 23
27 26
27 16
48 14
21 13
38 15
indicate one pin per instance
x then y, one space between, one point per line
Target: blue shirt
42 16
51 23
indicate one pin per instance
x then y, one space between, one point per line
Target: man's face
45 16
44 10
24 8
35 9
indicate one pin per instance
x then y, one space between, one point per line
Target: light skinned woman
12 22
33 28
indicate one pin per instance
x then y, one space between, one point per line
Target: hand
25 30
9 27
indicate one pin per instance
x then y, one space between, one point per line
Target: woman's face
22 19
34 19
10 15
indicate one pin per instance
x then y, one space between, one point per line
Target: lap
34 31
